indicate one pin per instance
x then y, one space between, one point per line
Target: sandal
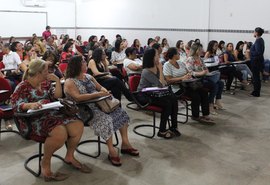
130 151
175 132
115 160
82 168
205 119
55 177
166 135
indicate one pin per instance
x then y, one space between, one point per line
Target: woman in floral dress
82 87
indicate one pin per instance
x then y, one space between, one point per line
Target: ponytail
26 74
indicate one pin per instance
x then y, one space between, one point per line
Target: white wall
98 17
107 17
239 15
110 17
61 13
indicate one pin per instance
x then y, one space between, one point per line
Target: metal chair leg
39 156
147 125
99 142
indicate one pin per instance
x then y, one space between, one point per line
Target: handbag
193 84
69 107
109 104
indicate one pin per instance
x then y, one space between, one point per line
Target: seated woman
11 60
53 126
30 54
152 76
216 85
181 49
139 50
240 68
67 52
50 57
175 72
132 64
98 65
118 55
239 56
81 87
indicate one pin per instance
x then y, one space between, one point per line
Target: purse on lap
109 104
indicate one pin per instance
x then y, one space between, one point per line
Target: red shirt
46 34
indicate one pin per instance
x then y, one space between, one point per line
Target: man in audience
46 34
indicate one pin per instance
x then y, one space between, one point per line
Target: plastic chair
63 67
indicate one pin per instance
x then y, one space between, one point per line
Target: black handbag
69 107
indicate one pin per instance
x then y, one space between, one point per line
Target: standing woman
257 60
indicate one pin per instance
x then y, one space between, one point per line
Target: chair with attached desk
6 112
137 106
84 105
23 123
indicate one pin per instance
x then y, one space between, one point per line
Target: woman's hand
104 90
187 76
35 106
52 77
101 94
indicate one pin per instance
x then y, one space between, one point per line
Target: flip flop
130 151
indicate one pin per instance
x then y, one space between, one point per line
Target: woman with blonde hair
52 127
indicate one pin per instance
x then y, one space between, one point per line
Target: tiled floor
234 151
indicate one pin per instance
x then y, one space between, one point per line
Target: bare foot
45 169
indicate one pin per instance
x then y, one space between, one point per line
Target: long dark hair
210 47
237 47
97 55
74 67
148 58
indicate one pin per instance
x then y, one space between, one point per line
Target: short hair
129 51
148 58
259 30
171 52
74 67
47 27
14 45
156 46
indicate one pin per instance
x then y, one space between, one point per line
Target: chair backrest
79 49
221 58
134 82
2 66
63 67
5 86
